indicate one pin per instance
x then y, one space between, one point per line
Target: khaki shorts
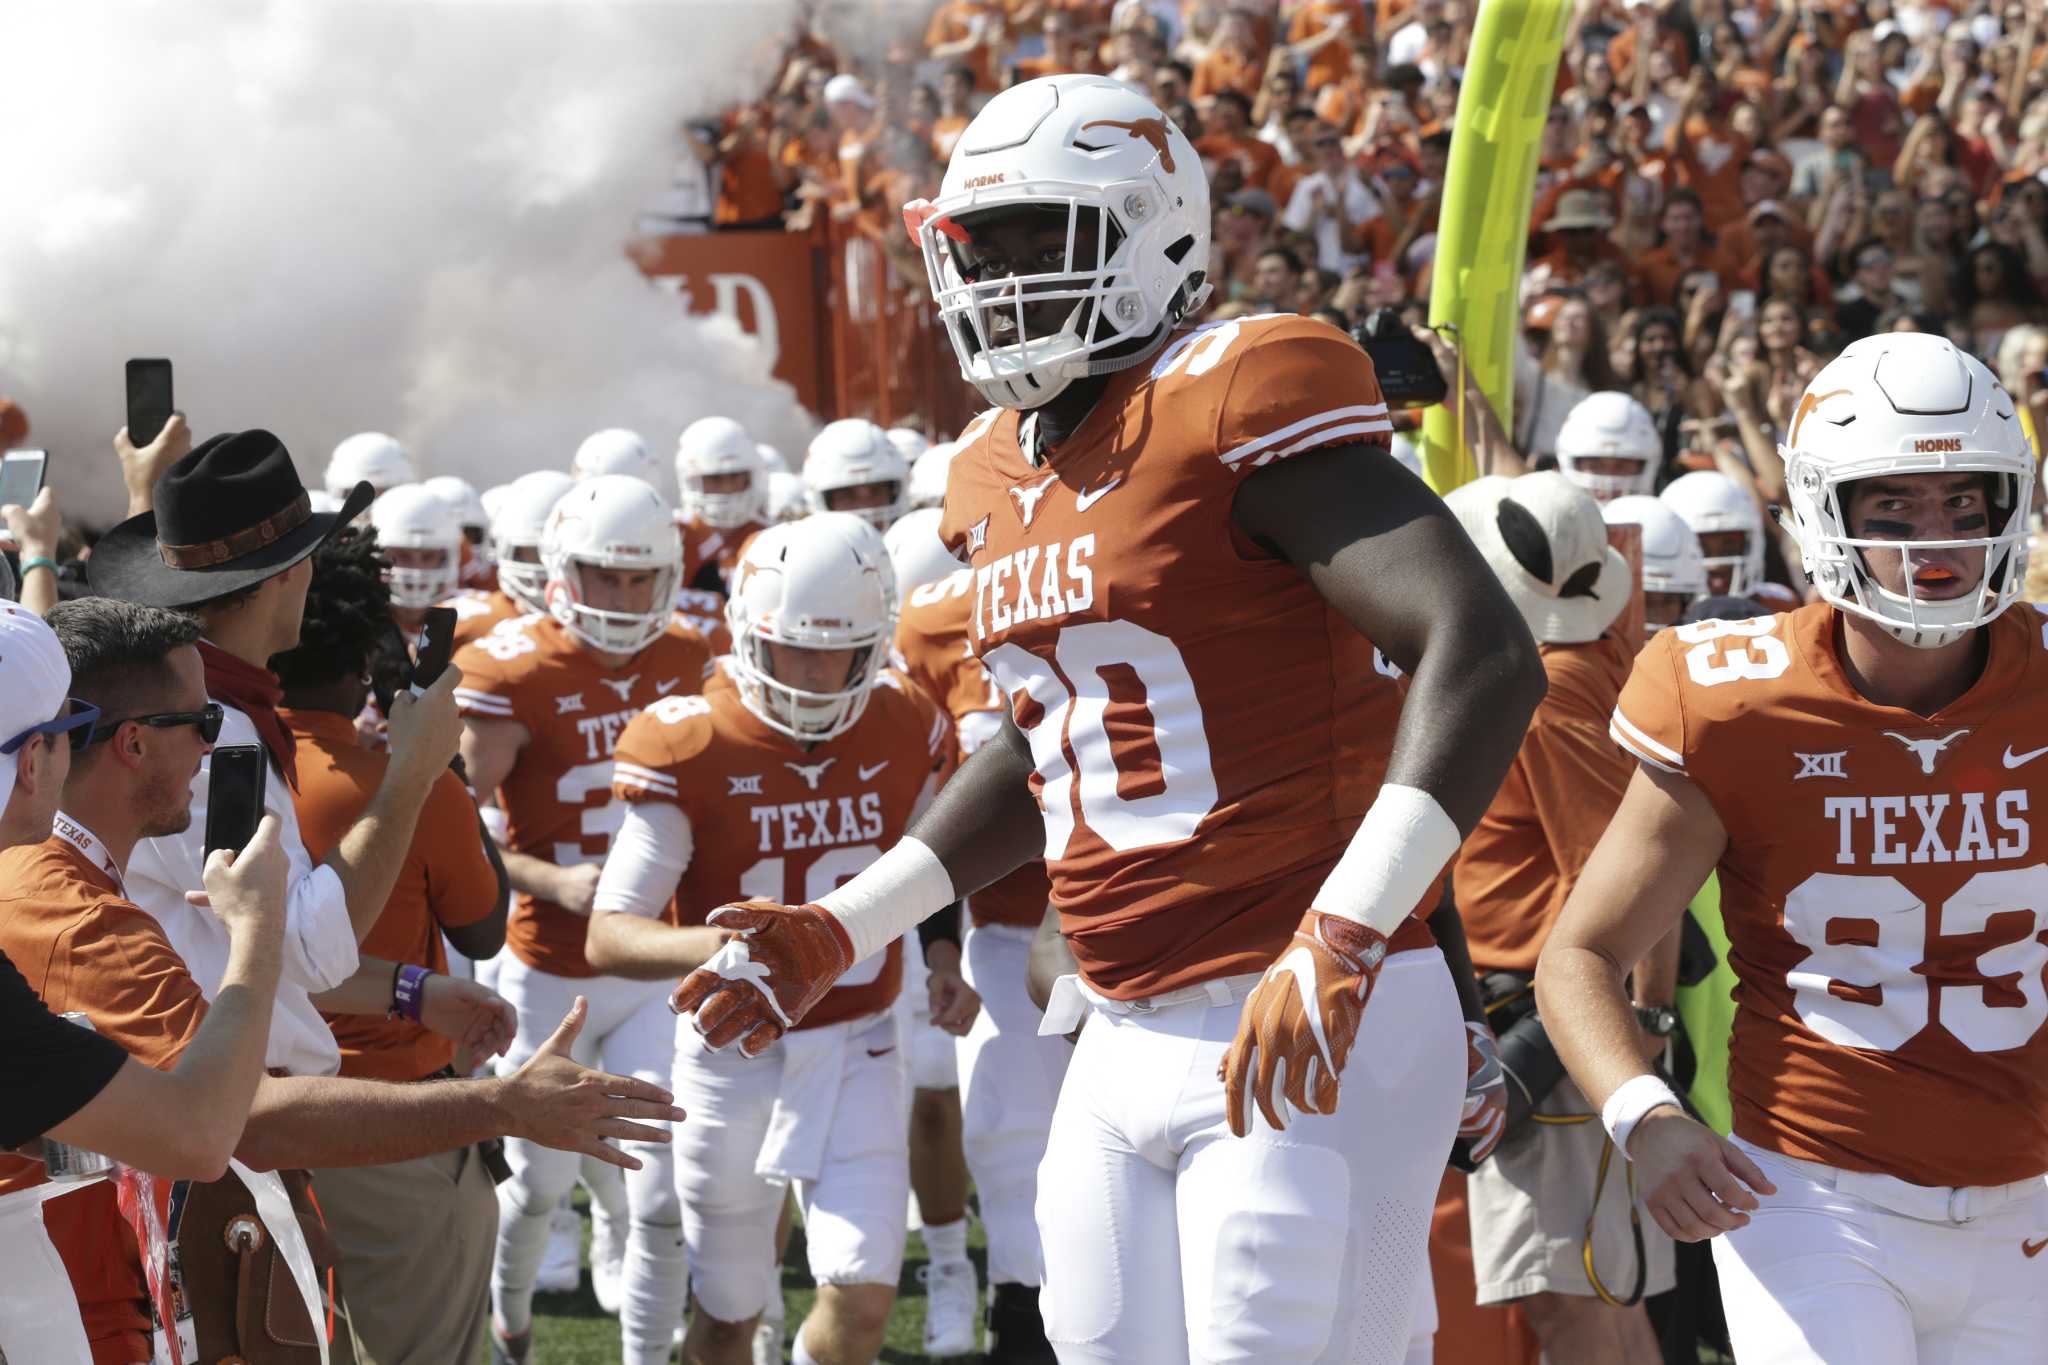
1529 1202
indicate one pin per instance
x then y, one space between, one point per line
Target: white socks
947 1242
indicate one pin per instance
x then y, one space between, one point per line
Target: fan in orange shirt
1234 62
1335 27
750 184
971 32
451 883
1229 138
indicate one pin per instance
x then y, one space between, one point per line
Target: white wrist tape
1626 1107
1401 848
895 893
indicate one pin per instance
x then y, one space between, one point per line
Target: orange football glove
1302 1015
779 961
1485 1116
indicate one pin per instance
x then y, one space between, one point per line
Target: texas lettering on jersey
557 800
772 820
1883 891
1206 732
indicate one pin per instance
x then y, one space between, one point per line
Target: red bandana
254 692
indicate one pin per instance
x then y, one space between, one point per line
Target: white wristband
1625 1107
1393 861
892 896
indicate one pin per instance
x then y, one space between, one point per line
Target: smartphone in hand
149 400
21 476
437 646
234 796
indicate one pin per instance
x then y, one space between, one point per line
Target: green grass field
570 1329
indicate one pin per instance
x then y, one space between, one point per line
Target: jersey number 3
1117 698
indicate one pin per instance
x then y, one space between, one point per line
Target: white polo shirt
319 939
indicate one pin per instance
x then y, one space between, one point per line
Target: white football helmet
820 583
368 456
853 453
492 499
611 521
1714 504
772 460
460 494
909 443
516 535
708 448
1901 404
413 519
788 496
615 450
1671 552
916 553
928 475
1135 201
1610 425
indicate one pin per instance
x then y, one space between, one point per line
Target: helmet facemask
415 587
723 511
525 581
611 631
802 715
1074 306
1837 561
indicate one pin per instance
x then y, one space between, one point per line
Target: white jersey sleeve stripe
1294 429
1324 437
633 775
1629 737
482 702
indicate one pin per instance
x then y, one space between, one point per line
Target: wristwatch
1659 1021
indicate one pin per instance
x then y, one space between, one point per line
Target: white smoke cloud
338 215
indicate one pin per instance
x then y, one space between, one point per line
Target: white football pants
1847 1266
854 1212
1009 1083
1167 1239
629 1031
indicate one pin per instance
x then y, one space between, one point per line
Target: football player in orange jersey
1862 772
723 483
778 788
1008 1075
544 700
1185 544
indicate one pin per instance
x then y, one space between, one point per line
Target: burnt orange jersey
1883 894
479 613
703 611
932 650
711 545
1207 732
1517 866
772 820
557 800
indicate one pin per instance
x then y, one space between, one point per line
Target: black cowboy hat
229 515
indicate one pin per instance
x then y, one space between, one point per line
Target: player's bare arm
1363 528
1694 1183
1359 526
490 751
641 949
984 824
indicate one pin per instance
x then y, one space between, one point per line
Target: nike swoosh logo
1084 501
867 774
664 686
2013 760
885 1051
2032 1249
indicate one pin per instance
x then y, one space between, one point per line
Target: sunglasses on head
77 722
207 719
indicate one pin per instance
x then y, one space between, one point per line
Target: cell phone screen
234 796
437 644
21 476
149 399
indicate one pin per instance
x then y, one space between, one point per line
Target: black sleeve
944 927
49 1069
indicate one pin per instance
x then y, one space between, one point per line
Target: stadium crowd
433 991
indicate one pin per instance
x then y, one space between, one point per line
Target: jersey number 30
1117 698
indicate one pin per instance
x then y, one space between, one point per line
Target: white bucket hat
1547 544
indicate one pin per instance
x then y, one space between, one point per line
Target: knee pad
539 1180
731 1290
1276 1263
